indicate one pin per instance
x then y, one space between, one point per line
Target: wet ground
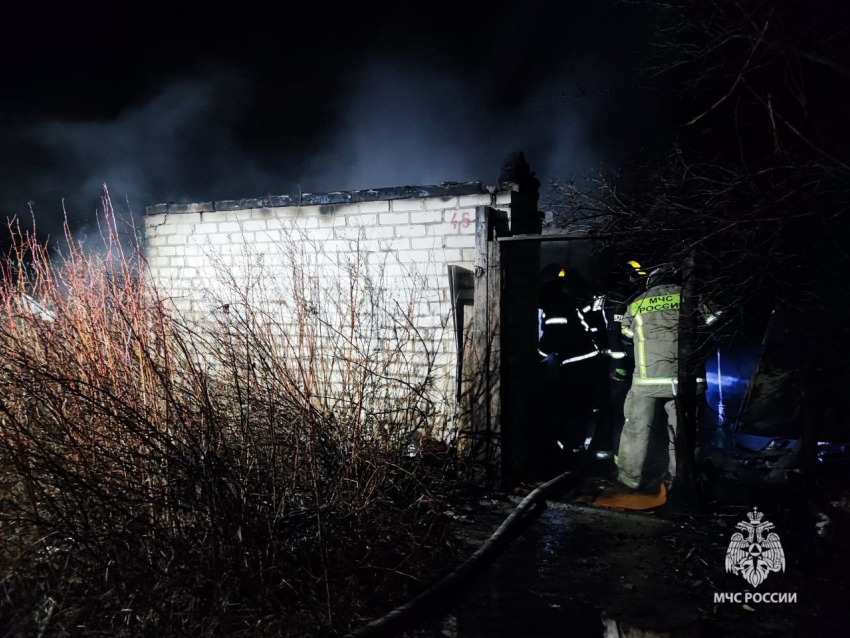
574 562
541 588
552 579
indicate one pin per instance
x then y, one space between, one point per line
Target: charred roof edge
446 189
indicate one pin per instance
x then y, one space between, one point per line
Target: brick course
410 241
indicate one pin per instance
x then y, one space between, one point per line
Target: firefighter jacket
619 368
652 321
594 316
564 329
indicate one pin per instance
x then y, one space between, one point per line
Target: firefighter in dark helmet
569 360
647 456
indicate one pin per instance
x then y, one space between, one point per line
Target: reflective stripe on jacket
652 320
563 328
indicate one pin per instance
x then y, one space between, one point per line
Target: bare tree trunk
684 495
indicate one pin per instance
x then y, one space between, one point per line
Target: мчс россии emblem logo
754 556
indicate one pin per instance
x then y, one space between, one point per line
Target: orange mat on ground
623 498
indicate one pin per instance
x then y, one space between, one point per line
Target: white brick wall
408 242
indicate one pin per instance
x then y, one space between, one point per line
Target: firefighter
646 456
569 357
564 331
594 310
590 307
620 363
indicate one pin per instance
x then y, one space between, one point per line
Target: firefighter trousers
647 455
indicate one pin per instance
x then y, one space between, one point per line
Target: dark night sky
166 103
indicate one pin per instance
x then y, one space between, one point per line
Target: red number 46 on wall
464 220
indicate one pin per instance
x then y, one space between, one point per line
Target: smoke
409 124
397 119
180 145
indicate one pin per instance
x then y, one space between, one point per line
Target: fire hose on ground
433 598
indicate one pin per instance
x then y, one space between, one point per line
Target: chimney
517 177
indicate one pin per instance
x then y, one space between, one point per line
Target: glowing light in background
727 377
714 379
721 408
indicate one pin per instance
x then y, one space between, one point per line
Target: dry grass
242 475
